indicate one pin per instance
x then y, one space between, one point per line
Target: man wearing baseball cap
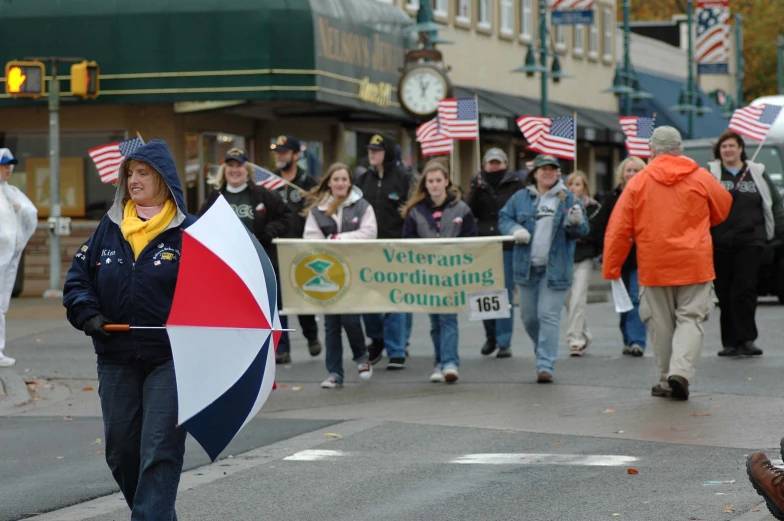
18 221
667 211
288 151
490 190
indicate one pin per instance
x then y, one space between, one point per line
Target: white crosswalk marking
314 455
590 460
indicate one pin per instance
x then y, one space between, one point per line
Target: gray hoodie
546 206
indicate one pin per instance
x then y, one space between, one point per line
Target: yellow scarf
139 233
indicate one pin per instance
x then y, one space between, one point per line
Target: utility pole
543 52
55 269
690 73
627 62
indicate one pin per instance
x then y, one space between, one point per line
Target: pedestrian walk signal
25 79
85 79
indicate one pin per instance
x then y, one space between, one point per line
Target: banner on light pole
712 51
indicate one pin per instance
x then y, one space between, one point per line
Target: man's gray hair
666 140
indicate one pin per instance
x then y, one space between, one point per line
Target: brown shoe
679 386
544 377
767 480
661 392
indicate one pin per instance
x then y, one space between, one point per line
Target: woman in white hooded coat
18 220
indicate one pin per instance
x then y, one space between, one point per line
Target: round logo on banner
320 276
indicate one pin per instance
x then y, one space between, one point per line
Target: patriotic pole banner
460 117
571 12
638 133
109 157
434 140
554 136
713 32
754 122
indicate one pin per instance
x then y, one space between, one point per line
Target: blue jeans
334 341
540 308
391 327
500 329
443 331
632 328
144 448
409 325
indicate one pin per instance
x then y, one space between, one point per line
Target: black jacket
485 201
599 227
588 247
388 194
296 200
271 216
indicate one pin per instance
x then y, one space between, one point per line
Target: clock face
421 90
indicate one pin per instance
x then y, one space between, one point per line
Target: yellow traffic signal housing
25 79
85 80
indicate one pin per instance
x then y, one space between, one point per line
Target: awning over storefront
666 91
346 52
499 111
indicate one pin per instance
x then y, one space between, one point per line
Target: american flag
712 47
533 127
558 138
638 133
265 178
434 140
108 158
460 116
754 122
571 5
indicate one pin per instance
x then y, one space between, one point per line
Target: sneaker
544 377
767 480
660 392
450 375
437 376
283 357
488 348
314 346
407 345
504 352
365 371
679 386
729 351
626 350
331 383
396 364
376 350
577 350
636 350
749 349
6 361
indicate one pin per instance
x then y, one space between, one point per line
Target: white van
771 277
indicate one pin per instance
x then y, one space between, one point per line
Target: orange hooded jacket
667 210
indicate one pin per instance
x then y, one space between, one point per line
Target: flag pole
575 142
478 145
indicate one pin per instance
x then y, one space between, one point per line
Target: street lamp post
627 62
530 68
690 65
780 61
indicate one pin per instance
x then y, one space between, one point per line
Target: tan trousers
673 316
577 334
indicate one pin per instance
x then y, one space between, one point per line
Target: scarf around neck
139 233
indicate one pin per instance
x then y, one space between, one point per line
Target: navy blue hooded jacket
105 279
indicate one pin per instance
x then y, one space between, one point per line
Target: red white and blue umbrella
223 328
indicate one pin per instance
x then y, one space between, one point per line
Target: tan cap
495 154
666 137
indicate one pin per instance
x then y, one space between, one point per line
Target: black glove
94 327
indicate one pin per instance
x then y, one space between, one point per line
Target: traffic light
85 80
25 79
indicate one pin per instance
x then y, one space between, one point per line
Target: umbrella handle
116 328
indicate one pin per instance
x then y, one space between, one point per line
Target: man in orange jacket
667 210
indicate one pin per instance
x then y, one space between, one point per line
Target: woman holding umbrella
126 272
338 211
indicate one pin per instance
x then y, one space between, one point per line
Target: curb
15 389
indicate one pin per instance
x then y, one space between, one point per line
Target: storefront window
82 193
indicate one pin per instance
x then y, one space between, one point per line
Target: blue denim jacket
520 211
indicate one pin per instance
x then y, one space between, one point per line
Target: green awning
152 51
